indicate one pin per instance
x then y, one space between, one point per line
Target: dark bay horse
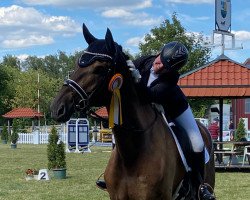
145 164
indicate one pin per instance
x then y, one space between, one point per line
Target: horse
145 163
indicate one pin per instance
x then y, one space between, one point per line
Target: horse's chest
141 187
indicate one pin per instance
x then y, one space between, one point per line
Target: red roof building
222 77
23 113
102 112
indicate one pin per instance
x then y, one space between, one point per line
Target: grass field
82 172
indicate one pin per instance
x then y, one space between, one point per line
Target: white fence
41 137
37 138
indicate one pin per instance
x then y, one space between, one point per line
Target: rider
159 77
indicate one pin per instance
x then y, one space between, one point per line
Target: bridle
84 97
83 103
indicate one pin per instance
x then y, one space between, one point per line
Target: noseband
84 98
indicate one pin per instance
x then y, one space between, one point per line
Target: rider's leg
101 183
187 122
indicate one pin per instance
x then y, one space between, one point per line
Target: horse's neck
138 118
135 110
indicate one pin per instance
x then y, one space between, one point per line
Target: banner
223 15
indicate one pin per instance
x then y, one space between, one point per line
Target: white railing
25 138
38 138
41 137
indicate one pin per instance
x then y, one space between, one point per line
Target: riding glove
134 72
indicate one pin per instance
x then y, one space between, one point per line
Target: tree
4 135
55 151
11 61
240 133
14 135
5 91
201 107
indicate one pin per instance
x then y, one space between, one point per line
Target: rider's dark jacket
164 90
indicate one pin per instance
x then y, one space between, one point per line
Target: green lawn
83 170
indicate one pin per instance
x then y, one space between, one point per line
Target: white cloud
117 13
135 19
22 57
93 4
242 35
27 41
191 1
147 21
134 42
108 8
22 27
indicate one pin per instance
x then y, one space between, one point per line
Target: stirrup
101 183
208 195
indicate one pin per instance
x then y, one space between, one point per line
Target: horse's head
88 84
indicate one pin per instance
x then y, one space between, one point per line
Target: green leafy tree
201 107
19 85
6 92
14 135
11 61
240 133
55 151
33 62
61 155
4 135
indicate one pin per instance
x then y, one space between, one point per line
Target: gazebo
22 113
222 78
103 113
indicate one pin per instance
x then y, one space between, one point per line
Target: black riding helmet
174 56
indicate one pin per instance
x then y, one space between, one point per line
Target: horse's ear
110 44
87 35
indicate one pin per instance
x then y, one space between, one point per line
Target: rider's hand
134 72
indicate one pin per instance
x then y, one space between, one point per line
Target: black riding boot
198 174
101 184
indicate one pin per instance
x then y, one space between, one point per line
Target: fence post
36 137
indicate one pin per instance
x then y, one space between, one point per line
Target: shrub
240 134
5 135
56 151
14 135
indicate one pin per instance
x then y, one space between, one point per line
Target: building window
247 106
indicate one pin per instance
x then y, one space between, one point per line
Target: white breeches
187 122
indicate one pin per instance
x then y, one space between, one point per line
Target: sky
44 27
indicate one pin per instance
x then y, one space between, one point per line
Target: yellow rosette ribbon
115 110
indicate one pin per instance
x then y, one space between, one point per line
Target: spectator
231 129
231 125
214 129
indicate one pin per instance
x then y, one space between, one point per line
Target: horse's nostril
61 110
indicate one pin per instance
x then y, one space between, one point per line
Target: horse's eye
100 70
